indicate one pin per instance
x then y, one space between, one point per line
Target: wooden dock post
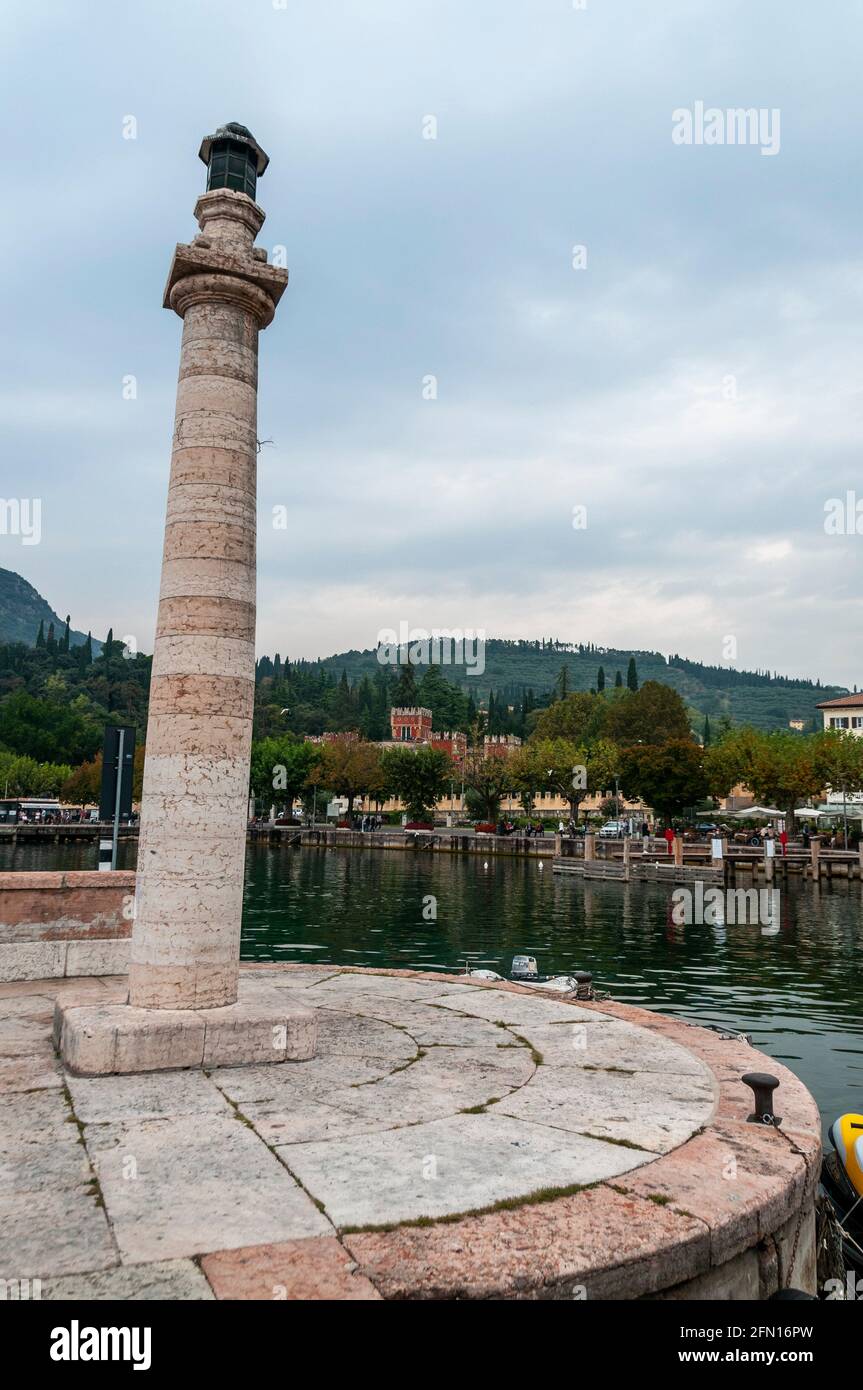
814 856
627 856
678 850
589 847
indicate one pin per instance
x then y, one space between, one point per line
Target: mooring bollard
583 984
762 1085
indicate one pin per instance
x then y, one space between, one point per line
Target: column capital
201 271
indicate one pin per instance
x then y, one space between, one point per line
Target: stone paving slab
296 1269
447 1166
59 1230
292 1085
195 1183
347 1035
612 1046
516 1010
596 1244
615 1105
150 1096
168 1280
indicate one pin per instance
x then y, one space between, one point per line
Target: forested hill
22 609
761 698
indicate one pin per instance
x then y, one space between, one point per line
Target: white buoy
485 865
541 867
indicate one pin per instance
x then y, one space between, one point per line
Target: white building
844 713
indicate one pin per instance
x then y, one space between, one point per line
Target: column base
118 1039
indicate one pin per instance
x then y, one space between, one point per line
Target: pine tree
40 635
631 675
600 680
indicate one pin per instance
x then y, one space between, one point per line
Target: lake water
797 990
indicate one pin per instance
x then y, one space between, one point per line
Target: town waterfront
798 992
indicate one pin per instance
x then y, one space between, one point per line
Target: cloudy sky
696 386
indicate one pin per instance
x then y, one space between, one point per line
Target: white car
613 830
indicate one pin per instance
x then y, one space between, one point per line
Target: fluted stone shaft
186 935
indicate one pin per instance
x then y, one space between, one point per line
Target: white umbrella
755 813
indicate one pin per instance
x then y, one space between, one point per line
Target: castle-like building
414 725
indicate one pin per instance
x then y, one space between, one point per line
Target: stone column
186 936
183 1007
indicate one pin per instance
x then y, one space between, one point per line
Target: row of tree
638 745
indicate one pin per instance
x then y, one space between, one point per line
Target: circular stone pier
450 1139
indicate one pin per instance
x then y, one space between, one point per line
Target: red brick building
412 725
500 745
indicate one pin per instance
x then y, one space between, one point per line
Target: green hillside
763 699
22 609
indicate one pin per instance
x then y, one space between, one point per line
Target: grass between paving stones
421 1052
481 1109
536 1056
621 1143
622 1071
537 1198
93 1185
244 1120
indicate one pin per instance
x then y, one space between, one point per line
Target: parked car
613 830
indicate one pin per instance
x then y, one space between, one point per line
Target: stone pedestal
186 934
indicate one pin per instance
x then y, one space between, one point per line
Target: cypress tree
405 693
64 640
40 635
618 681
600 680
50 641
88 650
631 675
705 738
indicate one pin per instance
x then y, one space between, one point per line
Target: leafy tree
579 717
572 770
281 768
486 781
350 767
838 760
669 776
417 776
654 714
23 776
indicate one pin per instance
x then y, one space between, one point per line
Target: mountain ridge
22 609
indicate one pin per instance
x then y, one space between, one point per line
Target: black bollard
584 984
763 1085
